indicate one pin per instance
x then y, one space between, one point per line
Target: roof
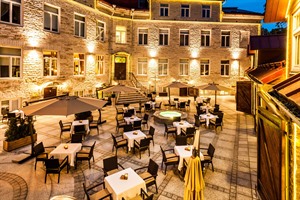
268 42
275 10
236 10
136 4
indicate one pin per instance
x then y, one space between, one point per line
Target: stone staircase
131 97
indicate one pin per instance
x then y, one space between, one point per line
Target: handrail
137 83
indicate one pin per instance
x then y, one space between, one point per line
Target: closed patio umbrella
176 84
215 87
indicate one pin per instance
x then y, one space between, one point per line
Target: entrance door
120 68
243 96
50 92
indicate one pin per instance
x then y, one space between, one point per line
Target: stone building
52 47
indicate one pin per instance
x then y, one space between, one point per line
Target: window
225 38
164 10
50 63
99 65
10 63
185 10
163 37
143 36
224 67
121 34
162 67
204 67
184 67
205 38
142 66
184 37
205 11
79 25
79 64
296 42
10 11
100 31
51 17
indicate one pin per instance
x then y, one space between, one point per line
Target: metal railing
137 84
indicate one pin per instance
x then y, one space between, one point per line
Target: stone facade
33 40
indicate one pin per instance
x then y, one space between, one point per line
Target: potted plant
18 135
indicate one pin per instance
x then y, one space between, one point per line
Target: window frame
11 3
184 67
10 67
123 34
164 10
50 64
225 38
79 66
100 35
205 35
165 41
184 37
296 42
143 36
163 67
100 63
144 66
80 22
203 64
185 11
206 11
51 18
225 67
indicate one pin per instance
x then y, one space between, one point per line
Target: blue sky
251 5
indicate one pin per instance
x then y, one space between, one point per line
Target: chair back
182 104
137 123
128 127
38 149
197 120
60 124
211 150
151 130
144 142
11 115
190 130
52 163
91 153
114 139
147 106
86 192
146 117
219 121
127 114
79 128
76 138
131 111
176 99
153 167
163 154
188 102
181 140
110 163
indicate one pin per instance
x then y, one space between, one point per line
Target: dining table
133 135
207 117
130 120
80 122
185 152
66 149
124 184
181 125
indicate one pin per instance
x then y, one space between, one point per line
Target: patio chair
209 155
80 129
182 105
127 114
64 127
216 123
95 124
181 140
189 132
187 105
172 104
100 194
158 105
143 145
119 143
145 119
131 111
170 130
111 165
76 138
137 125
150 135
120 123
119 110
127 127
148 107
142 196
40 153
150 175
86 153
53 166
169 158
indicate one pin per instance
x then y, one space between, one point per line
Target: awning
268 42
267 73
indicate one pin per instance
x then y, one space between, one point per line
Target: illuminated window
100 30
51 18
163 67
79 25
184 67
184 37
143 36
99 65
50 63
225 38
204 67
185 10
224 67
205 11
142 66
163 37
121 34
205 38
10 11
296 42
164 10
10 63
79 64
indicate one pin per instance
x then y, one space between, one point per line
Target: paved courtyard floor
235 160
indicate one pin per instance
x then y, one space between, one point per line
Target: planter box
9 146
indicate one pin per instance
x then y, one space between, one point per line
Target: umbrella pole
169 96
215 97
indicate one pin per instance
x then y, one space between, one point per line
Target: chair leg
156 187
58 177
212 166
35 165
45 177
89 164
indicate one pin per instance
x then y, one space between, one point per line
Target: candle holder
66 147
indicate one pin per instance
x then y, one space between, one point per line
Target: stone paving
235 160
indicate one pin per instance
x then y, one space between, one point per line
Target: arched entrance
120 65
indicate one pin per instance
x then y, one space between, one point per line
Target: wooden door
243 96
120 68
270 156
50 92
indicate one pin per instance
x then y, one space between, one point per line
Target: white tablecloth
83 122
60 152
206 108
180 125
124 188
129 120
207 117
183 154
131 137
152 104
129 108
